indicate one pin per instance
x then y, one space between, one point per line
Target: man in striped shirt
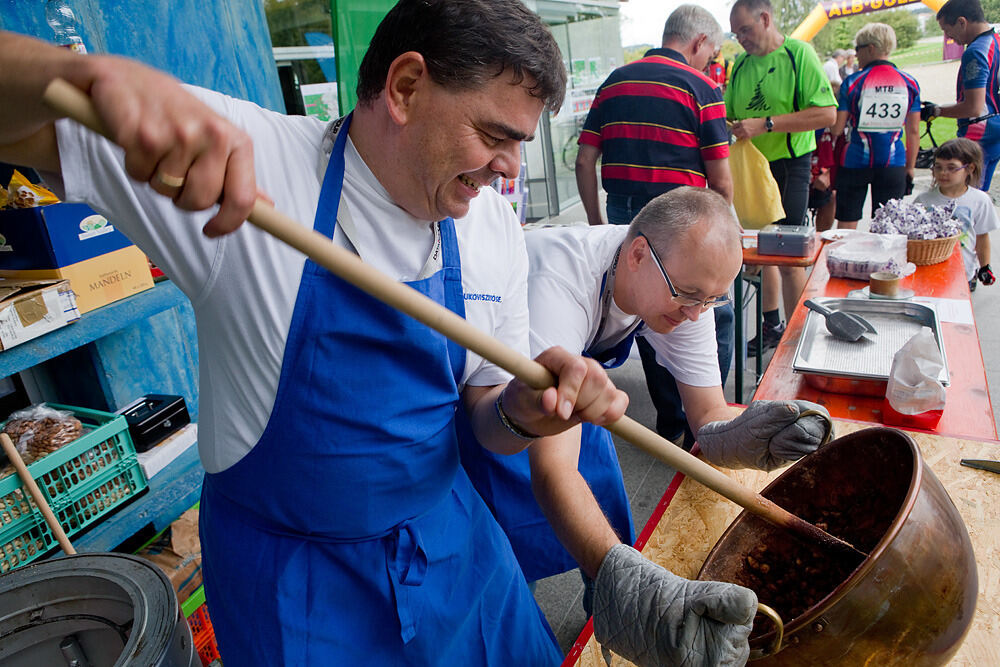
656 124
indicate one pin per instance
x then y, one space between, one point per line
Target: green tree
839 33
905 24
932 29
788 14
992 10
633 53
730 49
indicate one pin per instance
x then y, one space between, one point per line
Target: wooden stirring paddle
70 101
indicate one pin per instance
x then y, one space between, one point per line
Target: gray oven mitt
767 435
652 617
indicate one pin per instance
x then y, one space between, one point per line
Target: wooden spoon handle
36 493
67 99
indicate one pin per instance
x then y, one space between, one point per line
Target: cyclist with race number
877 104
978 92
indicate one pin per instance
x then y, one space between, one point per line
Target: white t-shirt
832 70
243 286
975 209
564 295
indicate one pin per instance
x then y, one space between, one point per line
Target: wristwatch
768 124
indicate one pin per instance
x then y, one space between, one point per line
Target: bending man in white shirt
592 290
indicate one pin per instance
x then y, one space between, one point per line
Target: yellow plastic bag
756 197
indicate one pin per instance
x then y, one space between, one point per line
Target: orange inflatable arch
823 12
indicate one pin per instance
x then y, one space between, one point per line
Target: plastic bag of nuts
40 430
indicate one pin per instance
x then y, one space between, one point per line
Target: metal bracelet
510 425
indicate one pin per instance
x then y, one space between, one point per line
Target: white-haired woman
877 104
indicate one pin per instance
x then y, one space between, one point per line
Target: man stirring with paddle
337 524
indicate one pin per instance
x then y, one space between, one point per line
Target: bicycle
925 156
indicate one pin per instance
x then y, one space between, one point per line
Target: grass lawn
943 129
918 54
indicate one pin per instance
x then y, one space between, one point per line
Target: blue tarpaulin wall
223 45
219 44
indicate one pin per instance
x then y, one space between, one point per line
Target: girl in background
958 171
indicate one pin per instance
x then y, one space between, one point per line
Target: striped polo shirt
656 121
980 64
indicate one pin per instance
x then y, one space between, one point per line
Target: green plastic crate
194 601
82 482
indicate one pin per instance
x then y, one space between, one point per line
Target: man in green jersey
778 95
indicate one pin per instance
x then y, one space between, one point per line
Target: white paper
159 457
958 311
13 332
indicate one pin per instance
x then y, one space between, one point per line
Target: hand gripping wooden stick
36 493
70 101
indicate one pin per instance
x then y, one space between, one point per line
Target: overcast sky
642 20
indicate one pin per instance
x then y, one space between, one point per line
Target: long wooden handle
72 102
36 494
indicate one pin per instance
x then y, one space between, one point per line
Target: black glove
929 110
986 276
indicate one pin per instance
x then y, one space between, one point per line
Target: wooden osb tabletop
690 519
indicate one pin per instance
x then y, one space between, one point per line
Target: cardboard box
71 242
178 553
100 280
51 237
30 308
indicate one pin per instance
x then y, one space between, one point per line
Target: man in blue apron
595 289
338 526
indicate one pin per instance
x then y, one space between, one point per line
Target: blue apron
349 534
504 482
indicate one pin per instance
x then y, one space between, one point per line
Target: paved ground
937 80
646 479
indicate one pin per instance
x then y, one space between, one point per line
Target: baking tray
862 367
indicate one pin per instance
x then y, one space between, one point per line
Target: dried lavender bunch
916 221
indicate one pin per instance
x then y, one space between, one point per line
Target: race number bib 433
883 108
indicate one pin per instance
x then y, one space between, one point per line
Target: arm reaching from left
171 140
767 435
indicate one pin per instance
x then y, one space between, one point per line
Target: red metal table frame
968 412
752 258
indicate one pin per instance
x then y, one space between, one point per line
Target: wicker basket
930 251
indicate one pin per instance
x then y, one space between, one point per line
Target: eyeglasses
858 47
948 169
681 299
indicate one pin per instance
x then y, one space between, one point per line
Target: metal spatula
845 326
